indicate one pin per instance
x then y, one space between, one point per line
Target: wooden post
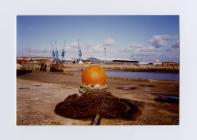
96 120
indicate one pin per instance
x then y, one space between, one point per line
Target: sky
143 38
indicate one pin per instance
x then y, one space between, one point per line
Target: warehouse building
133 62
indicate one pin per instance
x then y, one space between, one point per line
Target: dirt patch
142 85
22 72
24 88
126 88
36 85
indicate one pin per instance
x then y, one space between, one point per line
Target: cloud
141 48
160 41
92 50
95 49
160 46
109 42
137 51
40 51
73 44
135 45
147 49
176 45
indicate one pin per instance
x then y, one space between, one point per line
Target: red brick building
169 63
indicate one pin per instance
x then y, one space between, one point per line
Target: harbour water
144 75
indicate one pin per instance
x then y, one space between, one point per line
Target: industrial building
133 62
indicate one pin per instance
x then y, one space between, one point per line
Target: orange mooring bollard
94 74
94 77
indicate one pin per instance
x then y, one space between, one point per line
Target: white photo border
188 32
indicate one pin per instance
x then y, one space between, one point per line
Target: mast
105 53
80 53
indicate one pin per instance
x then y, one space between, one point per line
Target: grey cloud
176 45
159 41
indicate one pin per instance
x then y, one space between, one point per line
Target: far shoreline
142 68
127 67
